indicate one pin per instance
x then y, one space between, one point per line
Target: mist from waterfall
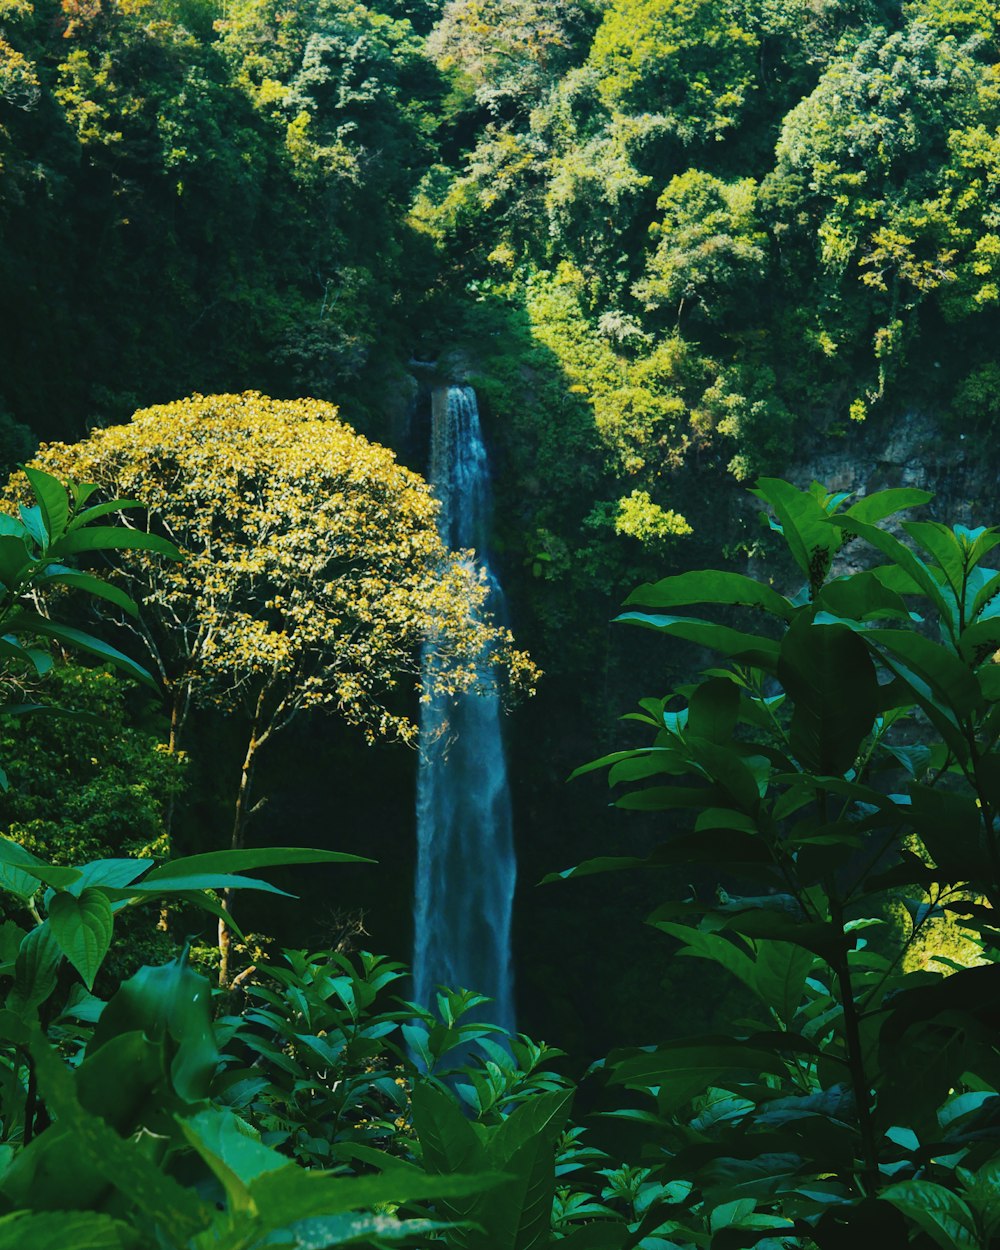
465 853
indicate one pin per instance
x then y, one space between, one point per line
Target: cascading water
465 851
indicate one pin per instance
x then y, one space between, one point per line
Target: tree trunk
241 816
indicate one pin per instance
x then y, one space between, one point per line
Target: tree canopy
313 568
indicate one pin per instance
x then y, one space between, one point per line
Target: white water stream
465 853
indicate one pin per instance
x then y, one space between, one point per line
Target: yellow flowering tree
313 570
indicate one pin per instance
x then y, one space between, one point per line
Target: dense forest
689 256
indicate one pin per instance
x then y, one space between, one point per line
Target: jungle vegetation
678 247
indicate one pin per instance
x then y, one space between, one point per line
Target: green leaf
64 1230
155 1194
324 1233
162 886
951 679
52 500
862 597
113 538
944 1216
34 523
905 560
171 1002
15 855
119 1082
241 861
749 648
113 873
447 1139
89 644
883 503
711 586
35 969
93 586
828 673
99 510
810 539
232 1151
82 927
943 545
518 1214
292 1194
683 1070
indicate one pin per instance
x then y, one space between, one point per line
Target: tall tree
313 570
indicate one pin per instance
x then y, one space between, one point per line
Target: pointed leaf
52 500
82 927
711 586
113 538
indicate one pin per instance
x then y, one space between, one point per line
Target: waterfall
465 852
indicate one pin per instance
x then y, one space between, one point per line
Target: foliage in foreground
845 752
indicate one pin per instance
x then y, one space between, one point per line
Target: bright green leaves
839 751
170 1005
82 926
829 676
943 1215
53 502
711 586
774 971
516 1214
802 519
51 528
81 903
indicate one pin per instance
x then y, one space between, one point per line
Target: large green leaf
327 1232
233 1152
518 1214
241 861
907 561
157 1196
828 673
35 969
711 586
65 1230
862 597
750 648
292 1194
883 503
87 643
23 861
119 1083
803 521
713 709
447 1140
113 537
14 559
943 1215
93 586
90 515
685 1069
82 926
111 873
951 679
171 1002
52 500
943 546
167 884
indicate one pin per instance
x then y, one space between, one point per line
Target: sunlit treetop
313 570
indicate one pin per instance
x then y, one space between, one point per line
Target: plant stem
855 1056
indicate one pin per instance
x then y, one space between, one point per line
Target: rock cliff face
910 450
